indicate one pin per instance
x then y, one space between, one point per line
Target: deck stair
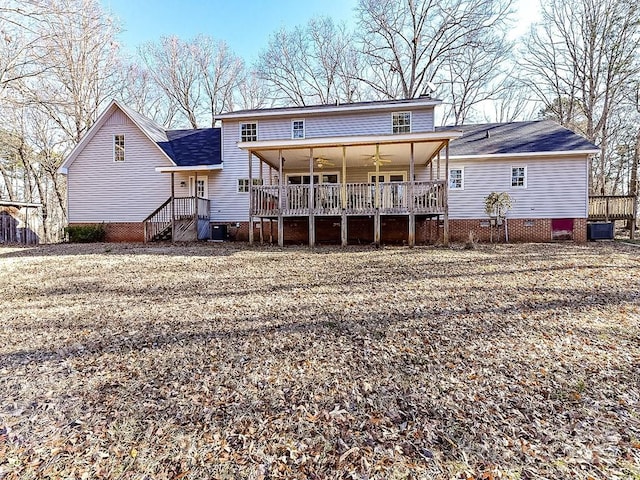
178 213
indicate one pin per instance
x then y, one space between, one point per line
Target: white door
201 189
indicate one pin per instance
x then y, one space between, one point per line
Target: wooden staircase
182 219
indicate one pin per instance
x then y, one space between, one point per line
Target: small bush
472 241
86 233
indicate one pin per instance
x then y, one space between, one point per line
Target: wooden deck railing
160 221
611 207
354 199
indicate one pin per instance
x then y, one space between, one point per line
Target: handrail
161 220
360 198
614 207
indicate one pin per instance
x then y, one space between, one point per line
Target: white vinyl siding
556 188
100 190
367 123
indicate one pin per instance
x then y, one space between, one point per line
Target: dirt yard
215 361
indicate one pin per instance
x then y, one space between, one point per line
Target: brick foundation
120 232
394 230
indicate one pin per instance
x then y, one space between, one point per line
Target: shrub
86 233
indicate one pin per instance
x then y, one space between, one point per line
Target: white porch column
195 201
343 224
261 196
250 199
173 208
446 194
412 215
281 200
312 221
376 218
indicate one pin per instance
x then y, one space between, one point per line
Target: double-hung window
243 184
456 179
401 122
297 129
519 177
118 148
249 132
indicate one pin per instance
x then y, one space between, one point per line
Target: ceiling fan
322 162
378 159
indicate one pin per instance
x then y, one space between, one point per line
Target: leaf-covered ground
217 361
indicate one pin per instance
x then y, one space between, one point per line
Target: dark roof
195 147
332 105
515 137
187 148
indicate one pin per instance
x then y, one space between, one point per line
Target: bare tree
580 58
316 63
475 75
407 43
252 92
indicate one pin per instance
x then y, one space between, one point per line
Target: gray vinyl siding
363 123
101 190
556 188
227 205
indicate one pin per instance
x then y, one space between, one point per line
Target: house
368 172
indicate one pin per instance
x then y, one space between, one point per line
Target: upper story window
297 129
456 179
118 148
249 132
519 177
401 122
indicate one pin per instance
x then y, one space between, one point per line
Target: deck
391 198
612 207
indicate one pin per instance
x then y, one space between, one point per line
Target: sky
245 25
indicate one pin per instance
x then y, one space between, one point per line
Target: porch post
376 218
412 215
173 208
195 202
312 221
261 218
281 201
343 223
446 194
250 199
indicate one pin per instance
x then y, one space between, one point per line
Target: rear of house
371 172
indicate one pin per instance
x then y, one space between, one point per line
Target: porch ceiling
359 150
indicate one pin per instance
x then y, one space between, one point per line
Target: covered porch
343 177
182 218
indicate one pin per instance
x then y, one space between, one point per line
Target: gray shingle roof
516 137
187 148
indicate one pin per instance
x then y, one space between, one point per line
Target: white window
297 129
243 184
200 188
456 179
519 177
248 132
302 179
401 122
388 177
118 148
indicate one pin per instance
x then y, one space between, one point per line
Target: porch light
183 184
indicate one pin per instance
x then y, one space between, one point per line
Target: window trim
525 179
115 147
304 129
240 131
461 187
257 182
410 122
